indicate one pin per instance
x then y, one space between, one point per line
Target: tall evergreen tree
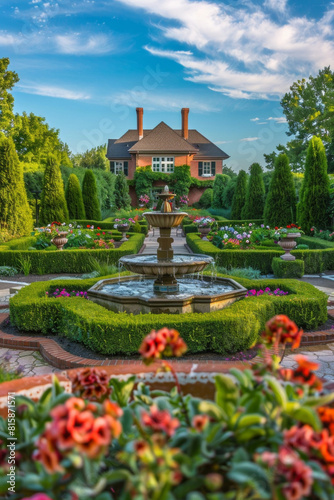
90 198
254 206
239 197
314 194
53 203
122 197
280 207
220 183
15 213
76 209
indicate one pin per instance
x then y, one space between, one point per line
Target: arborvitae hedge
53 203
314 194
220 183
280 207
239 197
254 205
76 209
15 213
122 197
89 195
228 192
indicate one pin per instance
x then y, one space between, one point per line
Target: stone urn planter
123 229
288 243
204 230
60 240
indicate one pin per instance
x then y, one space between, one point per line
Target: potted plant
204 225
144 200
287 236
58 233
123 225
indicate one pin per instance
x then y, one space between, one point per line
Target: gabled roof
165 139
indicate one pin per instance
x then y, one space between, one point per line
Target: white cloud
254 119
261 123
278 119
150 101
249 139
44 41
52 91
76 44
242 51
277 5
222 142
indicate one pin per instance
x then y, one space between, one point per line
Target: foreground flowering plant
268 433
57 294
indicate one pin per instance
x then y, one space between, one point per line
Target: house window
207 168
163 164
118 167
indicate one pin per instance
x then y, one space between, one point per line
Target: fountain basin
150 265
136 295
164 219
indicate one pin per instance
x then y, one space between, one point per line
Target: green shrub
89 196
53 203
122 197
205 200
302 247
288 268
254 203
239 196
76 209
246 272
314 193
69 261
6 376
15 213
226 331
8 271
280 207
220 183
137 228
228 193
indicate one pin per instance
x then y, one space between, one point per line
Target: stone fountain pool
161 285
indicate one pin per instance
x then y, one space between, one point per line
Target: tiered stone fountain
156 289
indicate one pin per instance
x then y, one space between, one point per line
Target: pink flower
163 341
160 420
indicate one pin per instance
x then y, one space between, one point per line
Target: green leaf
212 410
250 474
319 401
227 393
122 390
278 390
307 415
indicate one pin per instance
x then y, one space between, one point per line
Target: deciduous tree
7 82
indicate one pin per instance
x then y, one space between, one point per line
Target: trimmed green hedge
230 330
288 268
315 261
71 260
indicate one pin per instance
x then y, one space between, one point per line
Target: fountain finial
166 189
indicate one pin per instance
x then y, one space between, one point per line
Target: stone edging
54 354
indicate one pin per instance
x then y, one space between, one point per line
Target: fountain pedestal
165 251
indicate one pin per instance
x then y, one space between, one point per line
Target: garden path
151 244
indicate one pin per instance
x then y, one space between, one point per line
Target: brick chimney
140 112
185 113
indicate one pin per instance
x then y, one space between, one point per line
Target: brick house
165 148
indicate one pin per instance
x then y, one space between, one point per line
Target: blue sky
86 65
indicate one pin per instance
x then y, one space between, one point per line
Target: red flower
160 420
327 418
288 227
276 227
98 228
200 422
88 225
303 374
280 329
97 234
164 341
91 384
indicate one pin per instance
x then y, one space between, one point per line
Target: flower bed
229 330
318 258
267 435
70 261
257 293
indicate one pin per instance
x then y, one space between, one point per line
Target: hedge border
315 261
71 260
114 333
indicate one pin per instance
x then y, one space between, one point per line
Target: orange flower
327 447
49 455
160 420
280 329
200 422
164 341
327 418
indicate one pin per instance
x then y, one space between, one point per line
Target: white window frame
119 167
163 164
207 169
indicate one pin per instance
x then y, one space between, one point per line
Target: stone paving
31 363
322 354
